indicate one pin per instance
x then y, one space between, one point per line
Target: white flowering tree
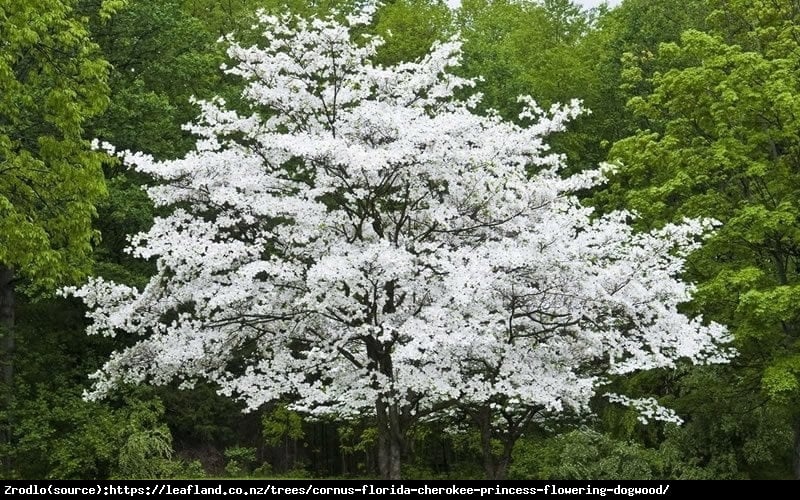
362 243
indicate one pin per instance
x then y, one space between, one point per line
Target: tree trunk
387 414
390 442
495 465
7 356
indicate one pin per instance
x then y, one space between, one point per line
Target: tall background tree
157 56
718 134
53 80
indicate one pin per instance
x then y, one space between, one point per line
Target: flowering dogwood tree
364 244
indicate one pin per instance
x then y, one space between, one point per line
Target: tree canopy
53 80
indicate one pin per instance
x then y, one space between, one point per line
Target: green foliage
202 416
147 451
619 52
61 437
547 50
444 453
586 454
732 430
236 17
230 16
161 56
524 48
724 145
718 136
110 7
53 80
240 460
357 439
410 27
281 424
263 470
126 211
58 435
296 472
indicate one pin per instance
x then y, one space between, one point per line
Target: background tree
226 17
53 80
619 49
410 27
721 140
544 49
159 56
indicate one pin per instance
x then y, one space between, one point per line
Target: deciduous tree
52 80
720 139
365 244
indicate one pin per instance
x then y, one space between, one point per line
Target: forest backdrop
698 102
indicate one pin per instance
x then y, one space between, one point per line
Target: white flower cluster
648 409
362 236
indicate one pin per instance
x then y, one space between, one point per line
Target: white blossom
362 236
